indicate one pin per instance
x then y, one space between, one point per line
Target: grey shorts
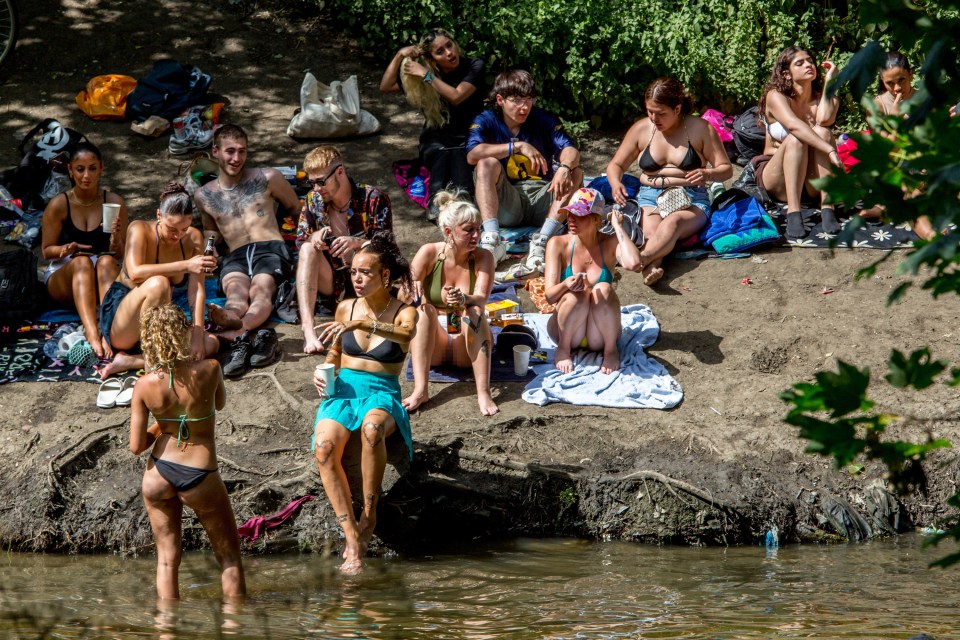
523 203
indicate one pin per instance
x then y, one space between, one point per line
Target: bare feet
224 318
651 275
561 358
487 406
120 363
352 554
611 362
415 399
351 567
312 344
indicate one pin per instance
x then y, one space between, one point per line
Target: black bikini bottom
181 476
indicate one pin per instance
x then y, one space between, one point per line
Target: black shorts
255 258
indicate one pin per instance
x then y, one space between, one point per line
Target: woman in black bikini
84 259
160 257
184 396
368 339
674 150
449 275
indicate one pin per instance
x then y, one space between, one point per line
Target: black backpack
167 90
748 135
19 287
52 150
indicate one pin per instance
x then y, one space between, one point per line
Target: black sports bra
691 160
387 352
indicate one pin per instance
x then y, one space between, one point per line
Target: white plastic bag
331 111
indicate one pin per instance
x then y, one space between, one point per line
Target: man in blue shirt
527 167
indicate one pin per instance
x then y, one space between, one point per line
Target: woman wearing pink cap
578 280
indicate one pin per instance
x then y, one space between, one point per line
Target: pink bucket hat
585 202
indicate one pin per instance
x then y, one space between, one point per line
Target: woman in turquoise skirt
369 339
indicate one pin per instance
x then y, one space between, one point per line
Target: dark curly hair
175 201
780 77
384 246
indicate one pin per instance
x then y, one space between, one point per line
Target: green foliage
593 59
850 429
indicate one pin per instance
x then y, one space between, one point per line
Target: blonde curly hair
423 96
163 336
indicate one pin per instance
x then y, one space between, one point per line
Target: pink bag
718 121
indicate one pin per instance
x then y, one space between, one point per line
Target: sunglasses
320 182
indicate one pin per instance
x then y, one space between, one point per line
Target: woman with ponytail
160 257
368 339
449 90
184 396
453 275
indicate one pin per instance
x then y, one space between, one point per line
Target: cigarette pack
507 319
501 307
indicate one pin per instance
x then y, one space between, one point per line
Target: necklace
223 188
379 316
80 202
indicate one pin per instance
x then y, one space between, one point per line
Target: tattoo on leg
371 500
324 450
373 432
485 347
343 518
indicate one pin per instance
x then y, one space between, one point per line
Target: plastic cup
328 372
110 213
521 359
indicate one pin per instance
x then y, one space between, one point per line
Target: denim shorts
647 197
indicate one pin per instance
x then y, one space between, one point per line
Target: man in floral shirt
338 217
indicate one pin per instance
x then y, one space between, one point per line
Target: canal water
526 588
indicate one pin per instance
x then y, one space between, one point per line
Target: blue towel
737 217
641 382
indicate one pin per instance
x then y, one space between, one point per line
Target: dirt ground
720 468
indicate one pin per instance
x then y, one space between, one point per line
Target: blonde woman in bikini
183 395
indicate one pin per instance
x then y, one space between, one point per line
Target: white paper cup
521 359
328 373
110 213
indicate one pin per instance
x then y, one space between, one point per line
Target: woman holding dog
85 260
453 277
578 280
675 149
449 90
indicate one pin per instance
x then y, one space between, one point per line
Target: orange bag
105 97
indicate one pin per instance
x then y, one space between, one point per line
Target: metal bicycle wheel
8 29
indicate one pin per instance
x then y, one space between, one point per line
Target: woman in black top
459 83
84 259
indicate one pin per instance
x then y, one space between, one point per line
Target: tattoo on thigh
373 432
485 347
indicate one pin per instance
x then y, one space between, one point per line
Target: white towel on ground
641 382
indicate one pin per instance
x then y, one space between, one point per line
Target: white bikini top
777 131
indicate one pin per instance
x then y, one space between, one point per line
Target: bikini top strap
352 307
169 366
183 431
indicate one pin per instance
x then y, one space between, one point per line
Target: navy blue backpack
167 91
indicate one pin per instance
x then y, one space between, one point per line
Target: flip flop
126 392
107 395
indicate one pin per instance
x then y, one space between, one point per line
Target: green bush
593 59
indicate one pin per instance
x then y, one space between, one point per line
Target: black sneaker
238 362
265 348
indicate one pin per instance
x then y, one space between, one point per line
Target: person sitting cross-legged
338 217
527 167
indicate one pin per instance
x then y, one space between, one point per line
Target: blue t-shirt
542 129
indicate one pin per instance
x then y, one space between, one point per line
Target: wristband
564 165
510 148
428 79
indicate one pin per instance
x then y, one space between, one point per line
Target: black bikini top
387 352
691 160
96 238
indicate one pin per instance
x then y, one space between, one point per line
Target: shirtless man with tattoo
239 207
